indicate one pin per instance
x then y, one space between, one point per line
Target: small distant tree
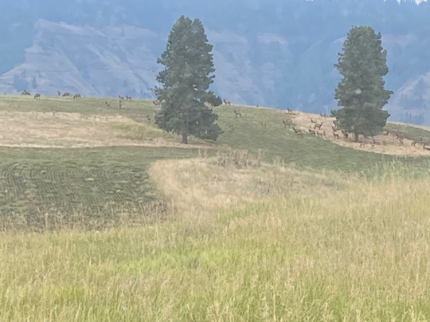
186 78
361 91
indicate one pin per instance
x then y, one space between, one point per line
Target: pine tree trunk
184 138
356 137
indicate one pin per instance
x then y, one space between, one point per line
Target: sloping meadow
359 250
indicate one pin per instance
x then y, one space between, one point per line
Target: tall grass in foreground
361 254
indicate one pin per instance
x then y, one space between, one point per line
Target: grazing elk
66 94
298 132
227 102
37 96
318 126
287 122
77 95
236 113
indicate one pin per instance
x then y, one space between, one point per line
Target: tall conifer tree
361 91
186 78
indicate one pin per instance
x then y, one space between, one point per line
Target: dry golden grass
75 130
211 183
358 253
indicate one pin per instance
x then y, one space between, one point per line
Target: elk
345 134
148 118
231 129
226 102
313 121
335 135
289 110
334 128
425 147
120 97
119 104
107 104
400 141
399 135
324 115
66 94
321 134
156 102
287 122
263 124
58 93
37 96
318 126
236 113
362 144
413 143
24 92
298 132
127 98
77 95
312 132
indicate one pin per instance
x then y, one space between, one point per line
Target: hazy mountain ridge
272 53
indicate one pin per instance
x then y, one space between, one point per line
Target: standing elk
120 97
287 122
156 102
127 98
107 104
119 104
335 135
263 124
77 95
298 132
37 96
227 102
312 132
318 125
289 110
66 94
236 113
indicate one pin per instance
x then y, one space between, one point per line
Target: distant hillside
271 53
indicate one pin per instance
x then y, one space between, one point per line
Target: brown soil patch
70 130
385 144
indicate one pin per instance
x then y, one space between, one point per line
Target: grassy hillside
93 182
317 232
